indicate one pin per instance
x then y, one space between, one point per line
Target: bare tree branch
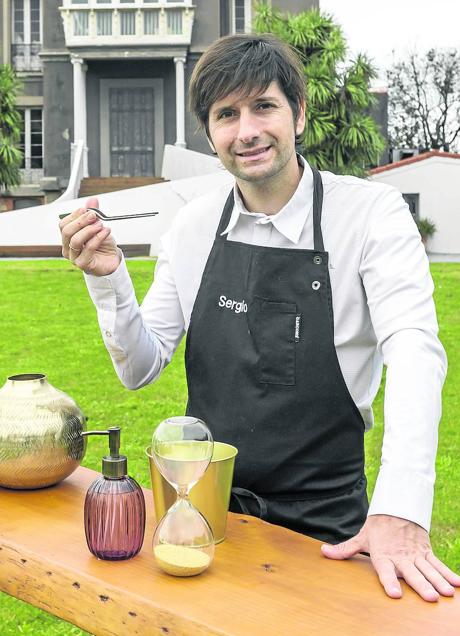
424 100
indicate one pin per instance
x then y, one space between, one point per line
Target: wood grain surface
264 580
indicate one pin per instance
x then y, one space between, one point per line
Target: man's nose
249 129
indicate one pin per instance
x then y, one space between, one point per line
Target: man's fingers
80 238
72 229
434 577
450 576
387 576
73 216
413 577
92 202
85 259
96 241
346 549
81 220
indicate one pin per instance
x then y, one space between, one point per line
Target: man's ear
300 123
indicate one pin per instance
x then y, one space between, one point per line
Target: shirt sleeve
396 277
140 339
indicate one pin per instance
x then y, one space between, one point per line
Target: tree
339 134
10 129
424 101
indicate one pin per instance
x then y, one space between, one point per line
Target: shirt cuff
403 494
118 282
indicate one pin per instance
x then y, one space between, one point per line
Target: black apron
263 373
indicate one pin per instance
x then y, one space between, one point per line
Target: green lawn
49 325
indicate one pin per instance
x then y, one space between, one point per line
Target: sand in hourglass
183 463
180 560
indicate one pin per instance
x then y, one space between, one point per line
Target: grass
49 325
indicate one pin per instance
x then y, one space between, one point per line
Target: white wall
437 180
181 163
39 225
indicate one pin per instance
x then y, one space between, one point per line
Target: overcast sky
379 27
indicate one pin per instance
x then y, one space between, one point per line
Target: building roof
421 157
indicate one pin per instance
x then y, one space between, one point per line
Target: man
293 289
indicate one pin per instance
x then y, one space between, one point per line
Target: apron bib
262 372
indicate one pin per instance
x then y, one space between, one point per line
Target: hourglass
183 543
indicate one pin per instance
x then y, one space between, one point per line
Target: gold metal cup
211 495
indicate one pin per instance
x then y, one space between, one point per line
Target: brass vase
40 433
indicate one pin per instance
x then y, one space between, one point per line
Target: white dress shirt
383 313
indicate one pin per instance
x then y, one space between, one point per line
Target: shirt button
316 285
108 334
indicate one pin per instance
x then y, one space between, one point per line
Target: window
104 22
128 22
31 143
26 35
174 22
80 22
151 22
241 16
412 200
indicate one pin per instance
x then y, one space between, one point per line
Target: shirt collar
290 220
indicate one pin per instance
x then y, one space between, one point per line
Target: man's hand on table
399 548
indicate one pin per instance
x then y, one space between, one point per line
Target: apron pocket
274 331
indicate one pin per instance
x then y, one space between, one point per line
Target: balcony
31 176
120 23
24 57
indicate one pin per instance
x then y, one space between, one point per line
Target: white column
180 102
7 33
79 105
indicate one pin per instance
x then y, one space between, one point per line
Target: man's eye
225 114
265 106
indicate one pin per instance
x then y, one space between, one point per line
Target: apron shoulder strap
317 210
225 216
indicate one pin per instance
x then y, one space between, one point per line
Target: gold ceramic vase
40 433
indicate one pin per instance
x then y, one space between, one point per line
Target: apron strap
240 493
225 216
317 210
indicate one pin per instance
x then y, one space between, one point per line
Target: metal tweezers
121 217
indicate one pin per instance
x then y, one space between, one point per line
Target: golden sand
180 560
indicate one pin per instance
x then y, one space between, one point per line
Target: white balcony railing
31 176
118 23
24 57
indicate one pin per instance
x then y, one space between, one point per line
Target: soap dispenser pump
114 506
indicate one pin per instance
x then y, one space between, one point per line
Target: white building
430 183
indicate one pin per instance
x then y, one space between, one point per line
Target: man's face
254 136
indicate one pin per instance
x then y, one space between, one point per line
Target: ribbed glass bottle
114 518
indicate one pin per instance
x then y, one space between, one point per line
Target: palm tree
339 136
10 129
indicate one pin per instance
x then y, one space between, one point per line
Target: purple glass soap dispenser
114 507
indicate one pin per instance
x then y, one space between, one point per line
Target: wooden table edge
51 582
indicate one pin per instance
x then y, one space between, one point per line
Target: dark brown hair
247 63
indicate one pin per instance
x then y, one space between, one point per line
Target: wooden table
264 580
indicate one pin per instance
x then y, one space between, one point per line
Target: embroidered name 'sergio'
238 306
